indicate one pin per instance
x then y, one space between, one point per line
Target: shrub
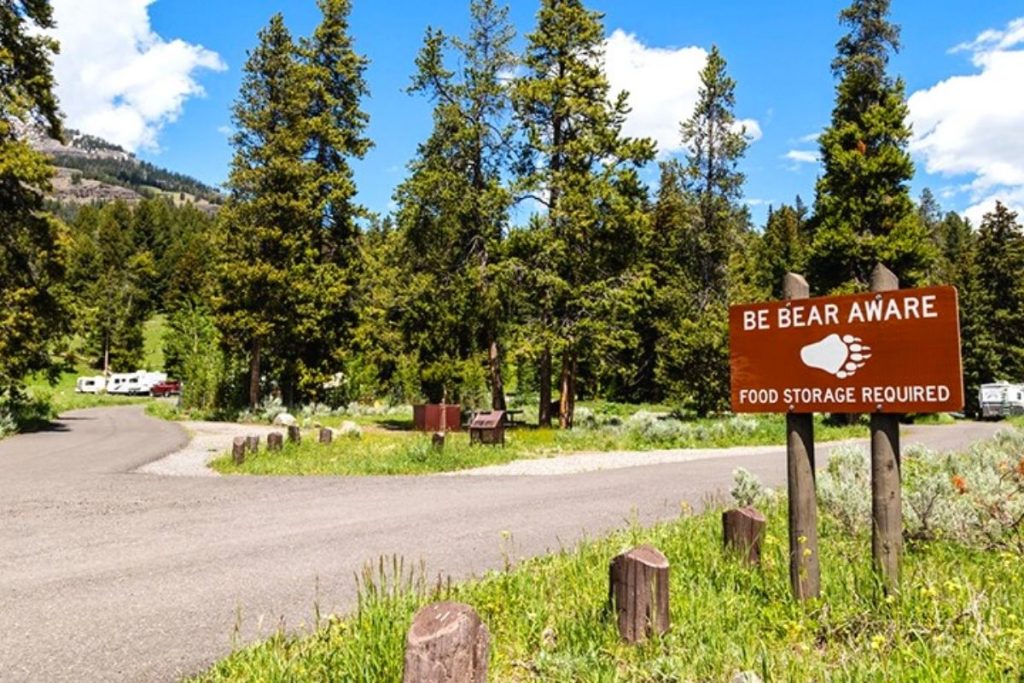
748 491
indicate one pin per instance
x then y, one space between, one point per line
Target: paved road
107 575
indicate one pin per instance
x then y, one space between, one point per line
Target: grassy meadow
389 452
958 618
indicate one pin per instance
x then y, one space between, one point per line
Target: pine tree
324 273
266 220
112 271
782 248
453 209
33 300
584 172
863 211
715 145
994 324
693 352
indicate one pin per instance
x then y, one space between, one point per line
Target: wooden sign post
886 478
804 568
886 352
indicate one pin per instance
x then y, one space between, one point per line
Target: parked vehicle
91 385
168 388
1000 399
135 384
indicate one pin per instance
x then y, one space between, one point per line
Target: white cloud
970 126
116 77
802 156
662 85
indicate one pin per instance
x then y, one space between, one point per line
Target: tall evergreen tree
583 171
266 219
32 296
323 279
863 210
693 356
994 301
715 144
453 209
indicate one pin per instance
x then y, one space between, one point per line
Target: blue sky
160 77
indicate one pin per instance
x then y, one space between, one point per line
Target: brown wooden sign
889 352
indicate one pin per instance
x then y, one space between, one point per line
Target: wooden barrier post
638 591
447 643
294 434
743 532
252 444
275 441
326 435
886 479
804 568
238 449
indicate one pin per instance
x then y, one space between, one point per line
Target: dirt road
107 575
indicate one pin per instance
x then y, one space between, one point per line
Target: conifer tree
782 248
993 325
863 210
693 356
715 144
453 209
583 171
266 220
32 295
323 280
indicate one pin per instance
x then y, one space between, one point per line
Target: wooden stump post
326 435
743 532
804 570
638 591
275 441
886 478
238 449
447 643
252 444
294 434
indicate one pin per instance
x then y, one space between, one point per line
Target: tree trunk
254 376
567 407
497 383
544 370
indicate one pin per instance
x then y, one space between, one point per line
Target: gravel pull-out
209 439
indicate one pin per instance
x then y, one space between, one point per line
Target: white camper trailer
91 385
1001 399
135 383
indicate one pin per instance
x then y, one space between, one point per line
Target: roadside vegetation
383 451
959 616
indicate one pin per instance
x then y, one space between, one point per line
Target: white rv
1000 399
135 383
91 385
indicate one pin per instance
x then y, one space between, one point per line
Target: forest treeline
524 252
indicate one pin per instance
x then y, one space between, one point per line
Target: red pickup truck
169 388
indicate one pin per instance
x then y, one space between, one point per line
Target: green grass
153 331
379 453
958 618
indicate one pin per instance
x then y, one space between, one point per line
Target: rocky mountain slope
90 169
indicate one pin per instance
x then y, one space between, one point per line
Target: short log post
326 435
886 478
275 441
447 643
252 444
804 569
294 434
743 532
238 449
638 592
